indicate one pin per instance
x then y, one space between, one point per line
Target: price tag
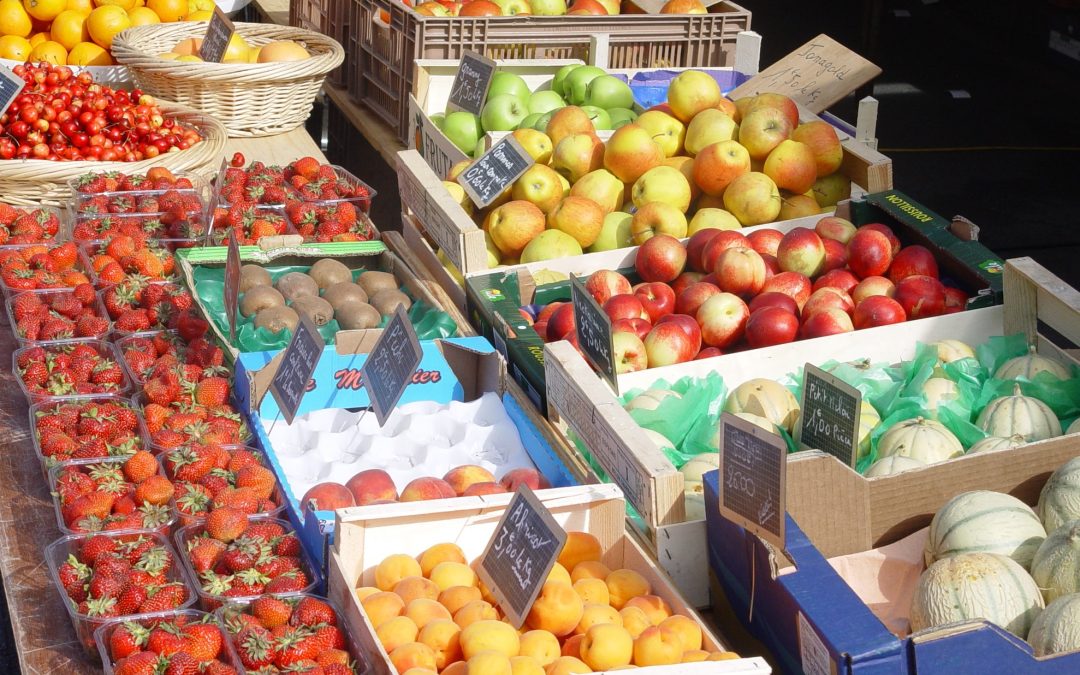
830 415
496 170
753 468
593 327
817 75
518 558
217 38
10 86
232 283
391 364
297 364
471 83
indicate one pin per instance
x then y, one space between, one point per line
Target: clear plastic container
277 496
45 295
85 625
141 401
104 349
170 284
37 409
124 343
219 182
210 602
93 227
103 635
361 202
85 465
81 265
219 234
63 232
79 200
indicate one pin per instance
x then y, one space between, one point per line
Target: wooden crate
366 535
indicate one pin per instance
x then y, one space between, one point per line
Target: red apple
693 297
657 298
625 306
769 326
869 253
765 241
793 284
801 251
602 284
872 286
774 299
661 258
668 343
772 266
561 323
630 355
547 310
842 279
877 310
827 297
684 321
708 353
740 270
722 319
721 242
835 255
920 296
541 329
639 327
885 230
695 246
955 300
912 260
685 281
829 321
835 228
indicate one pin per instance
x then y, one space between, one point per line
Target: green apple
503 112
503 82
437 119
621 116
541 124
600 118
548 7
545 101
608 91
549 245
463 129
530 121
577 83
615 232
560 78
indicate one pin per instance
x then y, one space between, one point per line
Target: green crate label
909 208
993 266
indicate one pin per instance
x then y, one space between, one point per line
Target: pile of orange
80 32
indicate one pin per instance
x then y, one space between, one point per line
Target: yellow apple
792 167
665 130
717 165
831 189
579 217
823 142
539 185
662 184
536 143
762 129
657 218
630 152
514 224
549 245
568 121
753 198
691 92
712 218
709 126
577 155
797 206
615 232
602 187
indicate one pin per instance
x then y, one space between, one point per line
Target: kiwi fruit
296 285
342 292
387 300
354 315
252 276
277 319
259 298
328 272
315 308
373 282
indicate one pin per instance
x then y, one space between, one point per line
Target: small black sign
232 283
391 364
496 170
217 38
830 415
297 365
471 83
518 558
753 468
593 327
10 86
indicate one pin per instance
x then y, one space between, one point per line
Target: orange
14 47
125 4
89 54
105 22
169 10
82 6
69 28
200 15
50 51
38 38
44 10
143 16
13 19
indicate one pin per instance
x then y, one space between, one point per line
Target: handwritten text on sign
517 561
593 327
753 464
298 362
495 171
471 83
218 35
830 415
391 364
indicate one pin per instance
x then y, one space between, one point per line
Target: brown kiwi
387 300
252 276
277 319
373 282
318 310
328 272
353 315
342 292
296 285
260 298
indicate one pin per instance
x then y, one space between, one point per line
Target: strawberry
131 599
142 663
165 639
205 553
226 524
287 545
182 663
271 611
212 391
255 647
155 490
140 466
204 641
166 597
258 478
292 581
97 546
310 611
127 639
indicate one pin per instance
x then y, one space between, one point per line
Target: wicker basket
39 181
257 99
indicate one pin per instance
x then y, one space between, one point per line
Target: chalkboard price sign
297 364
830 415
217 38
469 92
232 283
496 170
518 558
594 332
391 364
10 86
753 467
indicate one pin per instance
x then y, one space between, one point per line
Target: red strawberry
127 639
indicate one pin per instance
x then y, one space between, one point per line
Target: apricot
597 614
541 645
607 645
489 663
461 477
567 665
572 647
419 671
485 592
393 569
364 592
653 605
589 569
695 656
624 584
481 489
523 665
559 573
449 574
687 630
423 611
382 606
440 553
634 620
424 489
580 547
443 636
655 648
412 655
372 485
723 656
593 590
489 635
455 668
456 597
411 588
557 609
396 632
477 610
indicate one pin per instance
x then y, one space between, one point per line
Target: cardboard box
367 535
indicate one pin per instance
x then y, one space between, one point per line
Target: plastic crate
387 38
329 17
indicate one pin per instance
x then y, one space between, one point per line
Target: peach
423 611
541 645
687 630
654 648
624 584
594 614
530 477
396 632
440 553
654 607
579 547
423 489
372 485
567 665
523 665
480 489
455 668
365 592
411 588
327 497
572 647
695 656
461 477
419 671
457 597
634 620
607 646
593 590
382 606
558 609
489 663
590 569
393 569
489 635
449 574
478 610
413 655
443 636
723 656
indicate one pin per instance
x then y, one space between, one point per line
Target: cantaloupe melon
1057 628
1019 415
1056 567
986 522
1059 501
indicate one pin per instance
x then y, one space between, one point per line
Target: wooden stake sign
391 364
10 86
471 83
297 364
830 415
232 283
593 327
496 170
218 35
518 558
753 468
816 75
